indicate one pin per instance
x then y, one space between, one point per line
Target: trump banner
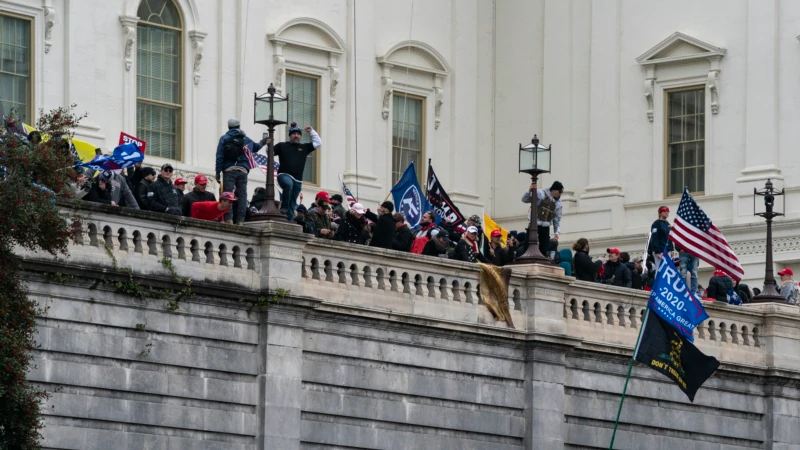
408 198
438 198
123 157
674 302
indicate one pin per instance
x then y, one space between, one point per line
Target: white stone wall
566 70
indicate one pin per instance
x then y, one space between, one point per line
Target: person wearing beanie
233 163
144 190
338 208
719 285
293 155
438 245
385 225
100 191
198 194
548 204
659 236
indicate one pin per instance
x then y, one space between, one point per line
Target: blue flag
124 156
673 301
409 199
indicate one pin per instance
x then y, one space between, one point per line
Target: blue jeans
236 181
290 190
689 262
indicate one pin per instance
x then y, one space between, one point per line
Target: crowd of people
141 187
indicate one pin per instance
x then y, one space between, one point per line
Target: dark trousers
544 240
236 181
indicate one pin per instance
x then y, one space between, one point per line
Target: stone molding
49 22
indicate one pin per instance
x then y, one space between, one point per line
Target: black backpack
233 148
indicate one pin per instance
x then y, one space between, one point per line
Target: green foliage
146 351
141 326
58 278
263 301
31 176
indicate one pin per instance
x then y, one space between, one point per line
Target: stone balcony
421 296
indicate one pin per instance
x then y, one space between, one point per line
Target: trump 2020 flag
440 201
409 199
673 301
664 350
124 156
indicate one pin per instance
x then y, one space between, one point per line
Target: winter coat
385 229
97 195
193 197
637 281
122 194
165 197
402 239
718 288
316 221
431 249
352 229
222 164
421 237
583 268
502 255
465 251
616 274
659 237
134 176
144 194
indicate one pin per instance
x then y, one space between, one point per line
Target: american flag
348 196
260 161
695 234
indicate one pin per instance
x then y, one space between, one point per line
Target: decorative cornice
197 38
49 22
129 30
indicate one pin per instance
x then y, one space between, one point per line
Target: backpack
233 147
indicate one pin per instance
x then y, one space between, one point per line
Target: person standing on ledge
232 160
293 156
548 204
659 236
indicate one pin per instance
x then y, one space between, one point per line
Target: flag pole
628 377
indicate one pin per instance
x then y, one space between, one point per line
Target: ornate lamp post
534 159
270 109
769 293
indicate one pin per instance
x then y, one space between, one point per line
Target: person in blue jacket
232 161
659 235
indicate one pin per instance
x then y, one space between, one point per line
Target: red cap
663 209
786 271
323 195
228 196
613 250
496 233
720 273
180 181
200 179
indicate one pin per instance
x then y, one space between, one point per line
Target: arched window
159 88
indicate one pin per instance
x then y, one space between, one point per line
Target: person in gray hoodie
122 194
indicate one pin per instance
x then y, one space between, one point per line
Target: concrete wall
371 362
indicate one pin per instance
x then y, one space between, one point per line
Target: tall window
158 81
407 134
15 67
686 130
303 93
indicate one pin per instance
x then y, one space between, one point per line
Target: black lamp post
270 109
769 293
534 159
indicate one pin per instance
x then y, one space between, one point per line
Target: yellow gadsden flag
490 225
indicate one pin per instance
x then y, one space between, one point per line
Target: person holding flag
293 156
234 162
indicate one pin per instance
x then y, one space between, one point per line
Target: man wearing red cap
499 255
614 272
659 236
198 194
789 286
213 211
180 184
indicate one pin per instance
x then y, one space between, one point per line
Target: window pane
406 135
686 141
159 126
303 108
15 57
160 12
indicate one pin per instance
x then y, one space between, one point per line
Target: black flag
664 350
438 198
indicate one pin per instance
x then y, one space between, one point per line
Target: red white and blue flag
260 161
349 198
695 234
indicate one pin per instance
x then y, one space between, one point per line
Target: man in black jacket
615 272
403 236
198 194
496 253
101 190
385 225
293 156
144 189
165 195
583 268
659 235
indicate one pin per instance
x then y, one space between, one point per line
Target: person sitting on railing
100 191
403 236
318 222
583 268
438 245
467 247
385 225
213 211
423 233
353 227
144 190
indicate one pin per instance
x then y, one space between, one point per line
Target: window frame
421 169
31 108
180 152
666 133
318 127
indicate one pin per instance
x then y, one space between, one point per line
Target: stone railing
272 256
